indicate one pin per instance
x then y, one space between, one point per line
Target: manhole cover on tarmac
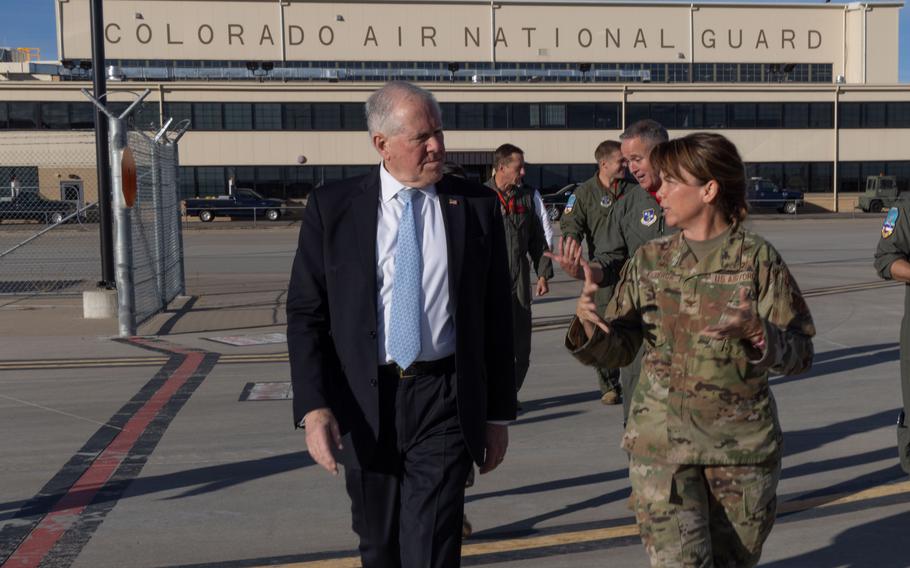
245 340
275 390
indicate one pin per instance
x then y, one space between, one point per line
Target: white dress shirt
437 324
541 211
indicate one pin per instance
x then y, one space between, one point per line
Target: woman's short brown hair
707 156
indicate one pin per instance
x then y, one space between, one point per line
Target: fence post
159 226
181 129
123 234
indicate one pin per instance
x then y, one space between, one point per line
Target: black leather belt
418 368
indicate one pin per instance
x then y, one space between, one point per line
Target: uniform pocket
759 508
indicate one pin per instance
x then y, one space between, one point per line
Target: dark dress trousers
401 435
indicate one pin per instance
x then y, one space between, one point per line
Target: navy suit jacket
332 309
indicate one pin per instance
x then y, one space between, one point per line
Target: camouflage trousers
704 516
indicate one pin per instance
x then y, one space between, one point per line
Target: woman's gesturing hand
586 308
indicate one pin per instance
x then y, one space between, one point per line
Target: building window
4 116
298 116
898 115
727 73
267 116
554 115
469 116
664 114
496 116
689 115
180 112
23 116
55 116
796 115
210 180
874 115
704 72
821 72
770 115
743 115
82 116
715 115
326 116
238 116
207 116
353 117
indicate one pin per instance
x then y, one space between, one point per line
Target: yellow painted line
79 363
500 546
511 545
845 498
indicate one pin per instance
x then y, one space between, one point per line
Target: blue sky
30 23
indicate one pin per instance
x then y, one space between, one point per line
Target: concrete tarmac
163 465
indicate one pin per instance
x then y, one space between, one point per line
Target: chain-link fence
157 245
49 236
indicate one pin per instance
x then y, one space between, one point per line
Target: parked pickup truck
243 204
764 194
31 206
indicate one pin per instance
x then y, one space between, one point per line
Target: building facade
809 93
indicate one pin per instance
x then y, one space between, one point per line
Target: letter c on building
107 34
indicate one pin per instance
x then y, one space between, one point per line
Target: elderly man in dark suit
400 338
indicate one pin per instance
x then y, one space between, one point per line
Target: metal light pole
102 148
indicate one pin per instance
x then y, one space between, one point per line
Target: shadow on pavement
561 400
526 527
546 417
567 483
878 544
799 441
840 360
199 481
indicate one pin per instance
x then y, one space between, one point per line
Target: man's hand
738 322
322 434
586 308
542 287
497 442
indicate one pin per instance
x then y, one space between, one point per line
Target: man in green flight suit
638 219
892 262
587 218
524 237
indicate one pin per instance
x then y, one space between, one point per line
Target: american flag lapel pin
453 201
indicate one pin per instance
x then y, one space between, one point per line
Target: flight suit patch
648 217
890 221
570 204
606 201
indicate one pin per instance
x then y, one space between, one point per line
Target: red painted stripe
40 541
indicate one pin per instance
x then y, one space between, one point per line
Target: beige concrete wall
874 144
853 67
882 44
475 30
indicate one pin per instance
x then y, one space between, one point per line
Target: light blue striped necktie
404 321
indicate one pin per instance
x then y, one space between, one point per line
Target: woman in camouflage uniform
717 309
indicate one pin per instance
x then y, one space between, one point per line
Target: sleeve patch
570 204
890 222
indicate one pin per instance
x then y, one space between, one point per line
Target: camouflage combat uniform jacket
701 400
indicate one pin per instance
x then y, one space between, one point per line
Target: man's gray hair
650 131
381 105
